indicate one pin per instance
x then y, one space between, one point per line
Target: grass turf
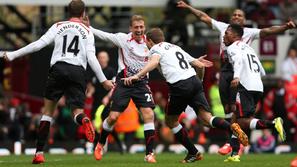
136 160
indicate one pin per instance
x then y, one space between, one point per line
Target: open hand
291 24
85 20
204 62
4 55
235 83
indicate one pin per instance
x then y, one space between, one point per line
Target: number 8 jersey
174 62
247 66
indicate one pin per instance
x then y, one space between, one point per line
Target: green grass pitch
136 160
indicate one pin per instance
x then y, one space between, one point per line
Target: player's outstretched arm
201 62
277 29
117 39
114 38
152 64
198 13
43 41
33 47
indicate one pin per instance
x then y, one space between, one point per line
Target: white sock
46 118
106 126
149 126
176 129
253 123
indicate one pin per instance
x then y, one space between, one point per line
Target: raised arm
277 29
116 39
46 39
198 13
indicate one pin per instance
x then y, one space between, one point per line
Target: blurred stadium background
23 80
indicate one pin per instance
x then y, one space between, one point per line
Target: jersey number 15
252 60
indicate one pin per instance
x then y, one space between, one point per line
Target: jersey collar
139 42
75 19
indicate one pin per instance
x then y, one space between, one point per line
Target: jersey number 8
182 62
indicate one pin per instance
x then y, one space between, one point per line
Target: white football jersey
72 40
132 55
249 34
174 62
74 44
247 66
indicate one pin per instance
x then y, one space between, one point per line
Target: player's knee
148 115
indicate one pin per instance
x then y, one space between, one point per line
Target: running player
184 89
133 56
247 80
74 48
250 34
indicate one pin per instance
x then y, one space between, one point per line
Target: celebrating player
133 54
247 80
250 34
185 89
74 48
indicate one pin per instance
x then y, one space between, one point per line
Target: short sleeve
254 32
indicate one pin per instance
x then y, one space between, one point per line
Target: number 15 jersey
247 66
174 62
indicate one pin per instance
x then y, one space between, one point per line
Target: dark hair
156 35
237 29
76 8
136 18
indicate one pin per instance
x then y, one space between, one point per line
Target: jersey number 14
72 47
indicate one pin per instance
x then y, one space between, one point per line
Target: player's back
173 62
250 73
72 41
249 35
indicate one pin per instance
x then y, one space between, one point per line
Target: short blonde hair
136 18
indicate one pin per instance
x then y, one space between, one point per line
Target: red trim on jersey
74 19
240 109
132 38
222 56
80 23
237 43
60 23
113 90
125 69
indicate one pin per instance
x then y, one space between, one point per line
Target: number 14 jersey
247 66
72 42
174 62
